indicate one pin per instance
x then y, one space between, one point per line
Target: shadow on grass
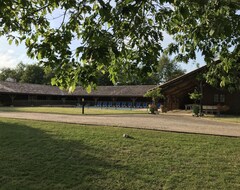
34 159
44 155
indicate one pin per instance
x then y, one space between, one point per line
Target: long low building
176 93
23 94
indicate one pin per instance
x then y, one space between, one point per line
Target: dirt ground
162 122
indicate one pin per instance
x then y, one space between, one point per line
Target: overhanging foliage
116 36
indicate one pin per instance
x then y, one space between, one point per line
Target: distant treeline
36 74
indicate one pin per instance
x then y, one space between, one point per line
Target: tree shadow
31 158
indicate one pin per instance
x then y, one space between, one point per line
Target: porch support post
95 101
201 91
133 102
12 99
63 100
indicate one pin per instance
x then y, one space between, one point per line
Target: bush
196 110
152 108
163 109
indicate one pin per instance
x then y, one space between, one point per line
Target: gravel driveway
163 122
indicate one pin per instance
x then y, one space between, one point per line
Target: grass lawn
74 110
48 155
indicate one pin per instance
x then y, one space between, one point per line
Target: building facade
23 94
177 92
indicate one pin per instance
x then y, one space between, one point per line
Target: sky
11 55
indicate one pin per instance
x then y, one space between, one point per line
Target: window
215 99
219 98
222 98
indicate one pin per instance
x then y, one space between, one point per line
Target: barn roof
36 89
182 84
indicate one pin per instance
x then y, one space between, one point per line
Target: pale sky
11 55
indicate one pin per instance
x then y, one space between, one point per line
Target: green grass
73 110
48 155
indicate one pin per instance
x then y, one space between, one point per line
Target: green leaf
39 55
150 22
222 83
10 41
72 88
27 42
212 31
95 6
84 61
89 89
53 81
16 42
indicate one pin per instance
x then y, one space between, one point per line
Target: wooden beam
180 89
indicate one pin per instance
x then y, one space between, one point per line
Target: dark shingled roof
181 84
25 88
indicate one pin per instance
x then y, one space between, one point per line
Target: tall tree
27 73
103 79
33 74
6 73
165 70
15 73
168 69
19 70
118 34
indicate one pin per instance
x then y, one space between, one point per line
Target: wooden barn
23 94
177 91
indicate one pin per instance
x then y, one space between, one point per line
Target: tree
27 73
19 70
33 74
164 71
6 73
15 74
156 95
103 79
196 96
116 35
167 69
136 77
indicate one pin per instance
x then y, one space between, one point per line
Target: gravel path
163 122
